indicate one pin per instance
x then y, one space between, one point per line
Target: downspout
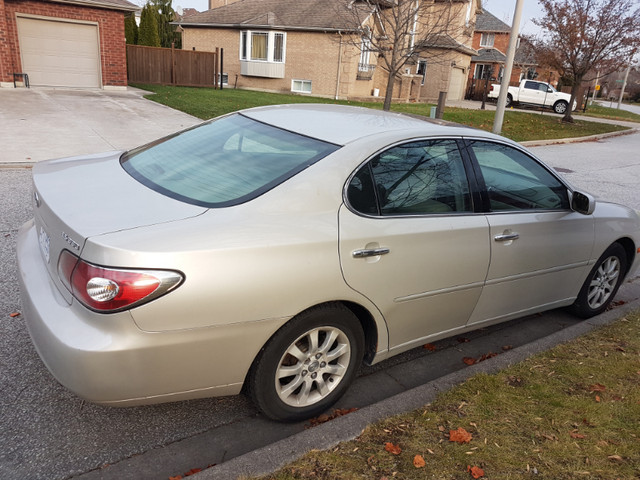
339 68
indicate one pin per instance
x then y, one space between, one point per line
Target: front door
540 248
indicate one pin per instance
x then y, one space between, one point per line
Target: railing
365 71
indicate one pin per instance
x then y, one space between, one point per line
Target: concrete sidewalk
42 123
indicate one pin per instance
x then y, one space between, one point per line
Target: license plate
43 240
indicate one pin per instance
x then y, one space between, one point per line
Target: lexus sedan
275 249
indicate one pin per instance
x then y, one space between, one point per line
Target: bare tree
397 31
582 36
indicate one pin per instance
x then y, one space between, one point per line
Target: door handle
371 252
505 237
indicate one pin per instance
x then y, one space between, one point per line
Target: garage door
456 85
58 53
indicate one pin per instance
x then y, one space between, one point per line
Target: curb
588 138
275 456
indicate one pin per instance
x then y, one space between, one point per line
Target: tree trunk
574 92
388 93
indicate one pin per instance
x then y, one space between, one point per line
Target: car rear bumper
107 359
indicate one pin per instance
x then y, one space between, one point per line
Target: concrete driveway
41 123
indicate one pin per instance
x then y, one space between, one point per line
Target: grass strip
570 413
207 103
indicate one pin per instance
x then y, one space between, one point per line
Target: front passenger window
516 181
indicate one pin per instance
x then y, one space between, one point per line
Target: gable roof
123 5
487 22
489 55
323 15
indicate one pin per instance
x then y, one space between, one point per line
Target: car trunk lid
81 197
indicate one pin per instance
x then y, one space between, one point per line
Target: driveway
41 123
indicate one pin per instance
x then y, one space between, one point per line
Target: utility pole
511 53
624 82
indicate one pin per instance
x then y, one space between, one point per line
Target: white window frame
487 39
365 54
246 41
302 83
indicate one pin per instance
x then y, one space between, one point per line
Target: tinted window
413 179
223 162
516 181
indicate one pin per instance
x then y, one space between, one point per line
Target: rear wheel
308 364
560 107
602 283
509 100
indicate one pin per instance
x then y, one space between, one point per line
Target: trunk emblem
71 241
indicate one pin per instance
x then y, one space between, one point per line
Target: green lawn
207 103
610 113
570 413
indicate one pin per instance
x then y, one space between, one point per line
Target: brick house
72 43
312 47
491 39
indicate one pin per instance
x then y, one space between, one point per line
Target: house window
487 39
262 46
481 70
278 47
365 52
301 86
422 70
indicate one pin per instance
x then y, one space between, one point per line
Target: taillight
105 289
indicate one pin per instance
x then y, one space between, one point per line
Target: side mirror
582 203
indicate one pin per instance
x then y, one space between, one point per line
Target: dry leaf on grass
391 448
476 472
460 435
418 461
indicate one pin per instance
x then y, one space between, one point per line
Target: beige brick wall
309 56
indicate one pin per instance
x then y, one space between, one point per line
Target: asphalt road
48 433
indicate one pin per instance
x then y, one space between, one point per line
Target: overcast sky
503 9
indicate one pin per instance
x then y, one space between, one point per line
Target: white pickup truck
532 92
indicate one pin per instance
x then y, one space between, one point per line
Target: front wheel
560 107
602 283
308 364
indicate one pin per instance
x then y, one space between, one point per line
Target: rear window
223 162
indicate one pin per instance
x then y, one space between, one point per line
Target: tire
308 364
602 284
560 107
509 100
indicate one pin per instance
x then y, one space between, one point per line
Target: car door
531 93
410 242
540 248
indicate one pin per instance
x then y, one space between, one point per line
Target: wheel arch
364 316
629 249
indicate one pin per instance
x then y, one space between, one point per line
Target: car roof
342 124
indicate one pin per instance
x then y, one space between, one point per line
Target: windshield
223 162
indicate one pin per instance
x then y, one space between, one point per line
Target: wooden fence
168 66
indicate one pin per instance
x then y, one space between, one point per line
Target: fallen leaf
576 435
339 412
431 347
460 435
597 388
193 471
393 449
598 398
615 458
177 477
463 340
469 360
507 347
14 314
476 472
418 461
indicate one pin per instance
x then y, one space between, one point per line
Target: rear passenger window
417 178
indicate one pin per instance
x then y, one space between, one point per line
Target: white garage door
456 86
58 53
